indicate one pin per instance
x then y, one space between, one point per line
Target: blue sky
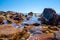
26 6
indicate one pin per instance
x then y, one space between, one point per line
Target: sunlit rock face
2 12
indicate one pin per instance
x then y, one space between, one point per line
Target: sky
25 6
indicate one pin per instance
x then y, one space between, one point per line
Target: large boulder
48 16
